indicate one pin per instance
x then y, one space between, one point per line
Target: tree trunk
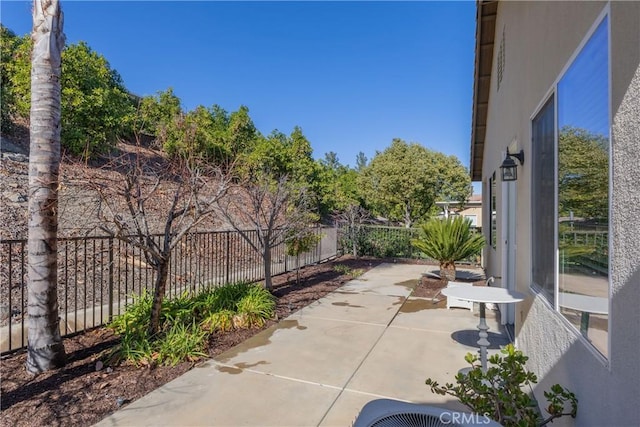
448 271
266 258
158 295
354 242
44 350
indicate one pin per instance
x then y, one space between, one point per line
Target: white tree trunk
45 349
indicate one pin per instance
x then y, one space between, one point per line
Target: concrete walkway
319 366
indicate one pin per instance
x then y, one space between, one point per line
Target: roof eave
485 35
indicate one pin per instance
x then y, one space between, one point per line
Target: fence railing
98 275
382 242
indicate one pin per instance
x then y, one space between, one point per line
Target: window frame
492 211
538 291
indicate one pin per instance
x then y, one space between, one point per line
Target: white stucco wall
540 39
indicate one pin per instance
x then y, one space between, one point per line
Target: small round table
585 304
483 295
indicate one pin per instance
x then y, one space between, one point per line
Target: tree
192 188
354 216
404 181
96 107
299 242
361 161
583 174
273 209
11 49
156 113
45 349
210 133
447 241
335 185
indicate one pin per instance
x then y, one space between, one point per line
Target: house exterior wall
540 39
473 211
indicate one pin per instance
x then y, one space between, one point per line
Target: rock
99 365
109 370
17 157
4 312
15 197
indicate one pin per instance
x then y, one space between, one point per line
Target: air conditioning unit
394 413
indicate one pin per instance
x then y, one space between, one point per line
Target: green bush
219 321
257 306
345 269
136 317
380 242
498 394
447 241
187 322
182 342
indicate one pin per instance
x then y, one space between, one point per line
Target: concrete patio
322 364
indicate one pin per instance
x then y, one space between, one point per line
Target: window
473 219
492 211
570 165
583 190
543 192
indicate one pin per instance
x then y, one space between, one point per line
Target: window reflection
583 190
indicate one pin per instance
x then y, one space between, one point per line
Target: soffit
485 35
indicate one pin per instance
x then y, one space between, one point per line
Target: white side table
483 295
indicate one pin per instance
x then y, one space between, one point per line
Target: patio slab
322 351
354 307
321 365
210 396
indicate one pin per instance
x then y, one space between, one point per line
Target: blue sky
352 75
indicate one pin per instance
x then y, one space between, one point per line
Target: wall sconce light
509 168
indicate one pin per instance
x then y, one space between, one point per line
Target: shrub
447 241
181 342
136 317
497 393
345 269
187 321
257 306
219 321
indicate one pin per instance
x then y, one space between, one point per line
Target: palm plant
447 241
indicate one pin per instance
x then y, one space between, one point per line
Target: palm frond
449 240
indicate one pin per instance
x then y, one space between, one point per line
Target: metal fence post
228 257
110 279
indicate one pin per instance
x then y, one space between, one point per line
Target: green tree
361 161
336 186
9 48
96 107
282 155
404 181
157 113
241 132
45 350
583 174
210 133
447 241
15 66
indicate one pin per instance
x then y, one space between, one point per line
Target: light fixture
509 168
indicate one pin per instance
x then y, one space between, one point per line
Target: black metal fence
383 242
377 241
97 276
